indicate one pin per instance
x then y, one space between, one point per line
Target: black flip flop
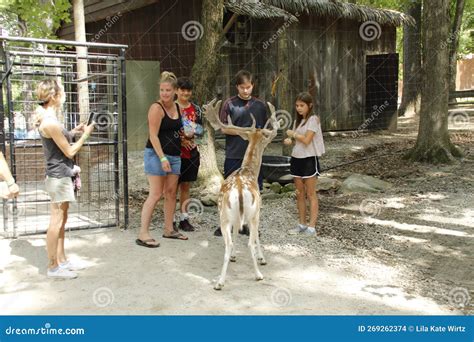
144 243
175 235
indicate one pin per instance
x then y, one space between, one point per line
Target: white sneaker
297 230
61 273
73 265
310 231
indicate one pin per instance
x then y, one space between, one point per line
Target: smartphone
91 118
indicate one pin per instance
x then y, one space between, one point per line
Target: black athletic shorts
190 167
305 167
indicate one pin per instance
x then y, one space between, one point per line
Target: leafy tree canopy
33 18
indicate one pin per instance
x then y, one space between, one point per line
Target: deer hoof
262 261
218 286
233 258
259 277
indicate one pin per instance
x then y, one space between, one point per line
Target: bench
461 94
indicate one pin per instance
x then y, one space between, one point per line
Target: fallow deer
239 199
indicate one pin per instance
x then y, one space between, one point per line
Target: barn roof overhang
260 10
339 9
291 9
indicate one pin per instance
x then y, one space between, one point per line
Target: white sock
302 226
183 216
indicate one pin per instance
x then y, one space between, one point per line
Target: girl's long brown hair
308 99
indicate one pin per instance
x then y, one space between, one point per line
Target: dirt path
177 279
411 254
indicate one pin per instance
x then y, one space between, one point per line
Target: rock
363 183
276 187
209 200
270 196
285 179
266 185
290 187
327 184
289 194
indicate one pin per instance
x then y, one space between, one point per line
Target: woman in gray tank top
58 152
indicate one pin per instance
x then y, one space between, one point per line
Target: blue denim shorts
153 164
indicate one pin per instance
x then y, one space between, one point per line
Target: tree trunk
411 63
80 35
82 92
454 39
283 86
433 144
204 75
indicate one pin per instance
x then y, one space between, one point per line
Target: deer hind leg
237 223
260 258
229 245
253 226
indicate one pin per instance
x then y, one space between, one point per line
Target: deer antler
212 114
273 121
211 110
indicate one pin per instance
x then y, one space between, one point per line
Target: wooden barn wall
329 61
326 56
261 62
153 33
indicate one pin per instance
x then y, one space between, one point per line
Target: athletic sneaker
73 265
61 273
184 225
300 228
310 231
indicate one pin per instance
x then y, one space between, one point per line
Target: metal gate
101 202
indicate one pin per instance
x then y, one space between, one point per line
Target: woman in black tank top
169 133
162 161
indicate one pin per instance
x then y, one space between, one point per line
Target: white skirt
60 189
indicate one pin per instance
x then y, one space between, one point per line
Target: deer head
267 135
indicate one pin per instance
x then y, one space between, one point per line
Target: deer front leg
253 226
233 257
226 234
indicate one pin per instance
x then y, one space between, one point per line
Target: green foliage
398 5
33 18
466 41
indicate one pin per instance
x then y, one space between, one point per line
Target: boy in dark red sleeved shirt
190 158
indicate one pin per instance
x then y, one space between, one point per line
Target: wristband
163 159
86 136
9 184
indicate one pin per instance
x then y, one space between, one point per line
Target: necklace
168 108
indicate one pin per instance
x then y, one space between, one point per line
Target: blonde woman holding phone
58 152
